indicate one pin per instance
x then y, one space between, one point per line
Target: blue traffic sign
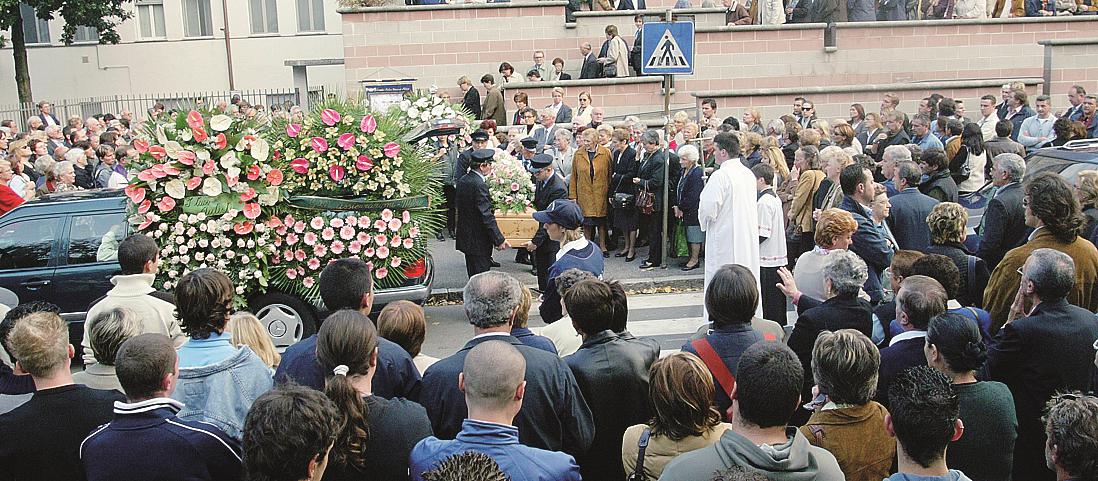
667 48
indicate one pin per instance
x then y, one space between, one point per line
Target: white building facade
180 46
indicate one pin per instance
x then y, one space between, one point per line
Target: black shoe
647 266
690 268
605 254
452 235
620 254
495 264
439 236
631 258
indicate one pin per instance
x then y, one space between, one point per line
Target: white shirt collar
1034 233
953 304
478 336
574 245
903 336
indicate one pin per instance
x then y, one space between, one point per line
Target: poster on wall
382 94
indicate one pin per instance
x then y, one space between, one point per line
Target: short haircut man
42 436
924 417
589 305
768 388
920 298
1004 128
851 177
466 466
731 297
288 434
132 447
346 284
490 299
1072 428
909 172
493 378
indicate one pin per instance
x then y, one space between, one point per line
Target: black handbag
623 200
642 444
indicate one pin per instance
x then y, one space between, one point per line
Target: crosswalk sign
667 48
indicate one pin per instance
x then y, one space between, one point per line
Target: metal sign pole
667 160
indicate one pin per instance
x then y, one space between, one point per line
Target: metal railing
141 104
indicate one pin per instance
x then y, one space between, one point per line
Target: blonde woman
843 136
809 179
616 61
590 185
248 331
824 128
834 160
582 114
752 146
834 232
675 133
1086 190
752 121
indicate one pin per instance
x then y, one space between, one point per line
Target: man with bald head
494 382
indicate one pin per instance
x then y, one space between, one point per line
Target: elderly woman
623 192
109 329
808 177
954 347
20 183
752 144
1086 190
947 237
846 421
589 185
752 121
84 176
606 133
844 275
681 390
47 183
834 160
650 179
688 197
834 232
563 153
844 137
64 176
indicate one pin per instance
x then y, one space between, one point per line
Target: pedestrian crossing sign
667 48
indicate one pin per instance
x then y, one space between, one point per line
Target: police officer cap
483 156
480 136
563 212
529 143
539 162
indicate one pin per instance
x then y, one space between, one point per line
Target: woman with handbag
681 389
649 181
590 185
809 178
623 197
688 195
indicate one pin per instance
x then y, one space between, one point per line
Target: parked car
63 249
1067 161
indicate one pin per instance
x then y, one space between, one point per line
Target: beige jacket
661 450
132 292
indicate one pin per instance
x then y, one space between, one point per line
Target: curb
454 294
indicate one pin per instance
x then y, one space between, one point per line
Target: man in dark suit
480 142
1037 355
470 99
869 243
910 209
1003 226
920 298
1076 93
590 68
477 231
564 112
46 116
547 130
549 187
553 416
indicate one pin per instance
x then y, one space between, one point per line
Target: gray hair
564 134
74 155
52 128
777 127
44 164
846 271
1052 273
897 153
109 329
650 136
491 298
63 167
632 120
569 278
690 153
1013 164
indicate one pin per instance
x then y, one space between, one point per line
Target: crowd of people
914 353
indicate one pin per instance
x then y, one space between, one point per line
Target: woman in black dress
624 164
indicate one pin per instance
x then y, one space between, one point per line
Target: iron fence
141 104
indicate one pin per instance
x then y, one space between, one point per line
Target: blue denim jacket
220 394
501 443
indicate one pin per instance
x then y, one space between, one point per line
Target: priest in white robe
728 213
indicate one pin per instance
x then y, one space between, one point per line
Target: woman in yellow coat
590 186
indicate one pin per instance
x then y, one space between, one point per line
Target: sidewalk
450 275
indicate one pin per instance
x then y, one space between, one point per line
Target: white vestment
728 214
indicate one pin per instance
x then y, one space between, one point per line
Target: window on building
264 16
86 34
35 30
197 21
310 15
150 16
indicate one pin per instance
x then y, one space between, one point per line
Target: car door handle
36 284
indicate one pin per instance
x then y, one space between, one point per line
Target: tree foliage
102 15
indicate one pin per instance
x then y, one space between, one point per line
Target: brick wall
438 45
1070 65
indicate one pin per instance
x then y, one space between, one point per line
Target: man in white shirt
728 214
772 249
1037 130
988 117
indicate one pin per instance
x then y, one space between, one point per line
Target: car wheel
286 318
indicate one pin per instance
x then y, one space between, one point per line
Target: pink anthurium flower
368 124
135 193
158 152
187 157
243 228
220 141
194 120
193 183
392 149
364 163
199 134
293 129
300 165
208 167
330 117
254 172
166 204
346 141
251 210
141 145
319 144
337 173
274 177
247 195
144 206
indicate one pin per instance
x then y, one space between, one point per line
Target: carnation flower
314 263
310 238
317 223
308 282
347 232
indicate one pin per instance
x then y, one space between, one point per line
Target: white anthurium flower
413 112
176 189
261 150
229 160
233 172
161 137
220 123
173 149
211 187
404 104
269 198
202 154
185 135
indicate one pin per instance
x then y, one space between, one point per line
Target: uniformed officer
477 231
549 186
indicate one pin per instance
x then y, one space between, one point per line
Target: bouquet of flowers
204 189
421 107
509 185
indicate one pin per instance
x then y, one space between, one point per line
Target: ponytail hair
345 347
958 340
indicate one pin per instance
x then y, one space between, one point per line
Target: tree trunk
19 52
